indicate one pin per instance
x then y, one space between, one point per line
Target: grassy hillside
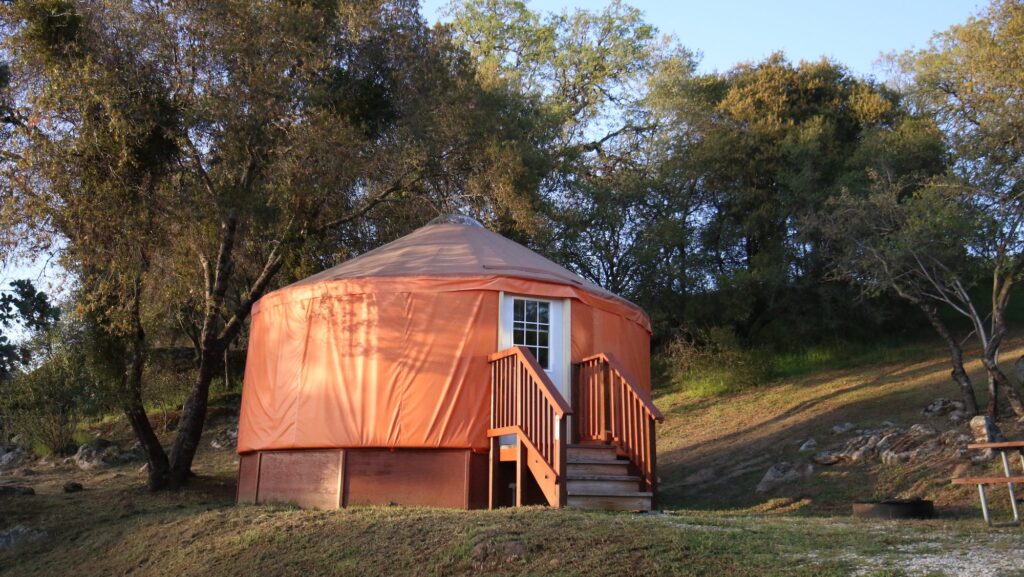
713 450
715 525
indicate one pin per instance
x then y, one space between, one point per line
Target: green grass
741 370
115 527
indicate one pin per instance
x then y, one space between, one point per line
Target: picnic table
1008 479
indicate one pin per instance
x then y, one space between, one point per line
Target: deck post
652 482
560 461
574 388
608 399
493 463
521 466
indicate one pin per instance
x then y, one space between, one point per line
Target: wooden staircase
596 478
610 466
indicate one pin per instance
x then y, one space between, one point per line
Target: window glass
531 328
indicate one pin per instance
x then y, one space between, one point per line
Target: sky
727 32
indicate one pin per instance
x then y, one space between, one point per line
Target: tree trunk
135 411
956 359
193 418
990 358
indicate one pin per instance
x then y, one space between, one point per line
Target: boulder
920 430
72 487
100 454
13 459
861 447
940 407
783 473
827 457
15 490
808 445
985 430
842 428
226 439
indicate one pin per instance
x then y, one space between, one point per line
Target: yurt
452 367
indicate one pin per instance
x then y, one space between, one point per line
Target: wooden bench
1008 479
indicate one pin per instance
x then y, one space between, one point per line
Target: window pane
517 310
542 338
542 358
542 310
531 311
531 338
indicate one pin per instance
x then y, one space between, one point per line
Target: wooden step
634 501
579 453
597 467
610 484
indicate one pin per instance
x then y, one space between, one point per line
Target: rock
13 459
226 439
783 473
100 454
19 534
827 458
809 445
922 431
842 428
985 430
14 490
957 416
72 487
940 407
861 447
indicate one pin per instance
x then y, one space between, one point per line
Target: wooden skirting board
332 478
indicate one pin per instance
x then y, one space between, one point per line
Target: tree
908 239
751 153
587 74
186 154
33 312
970 80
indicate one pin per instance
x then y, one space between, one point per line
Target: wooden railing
525 403
611 409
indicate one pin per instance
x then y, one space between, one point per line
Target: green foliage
28 308
46 402
52 26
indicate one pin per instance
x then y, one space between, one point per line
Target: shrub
45 405
715 363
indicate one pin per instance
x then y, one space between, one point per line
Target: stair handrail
524 402
617 411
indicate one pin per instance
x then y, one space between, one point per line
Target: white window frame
560 322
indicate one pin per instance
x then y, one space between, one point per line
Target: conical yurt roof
455 247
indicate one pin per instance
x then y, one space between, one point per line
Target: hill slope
713 451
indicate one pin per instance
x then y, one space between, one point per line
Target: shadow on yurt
451 368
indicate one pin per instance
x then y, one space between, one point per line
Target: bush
715 364
46 404
45 401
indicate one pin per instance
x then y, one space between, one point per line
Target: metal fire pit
894 509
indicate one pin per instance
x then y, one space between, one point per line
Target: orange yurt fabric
389 349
